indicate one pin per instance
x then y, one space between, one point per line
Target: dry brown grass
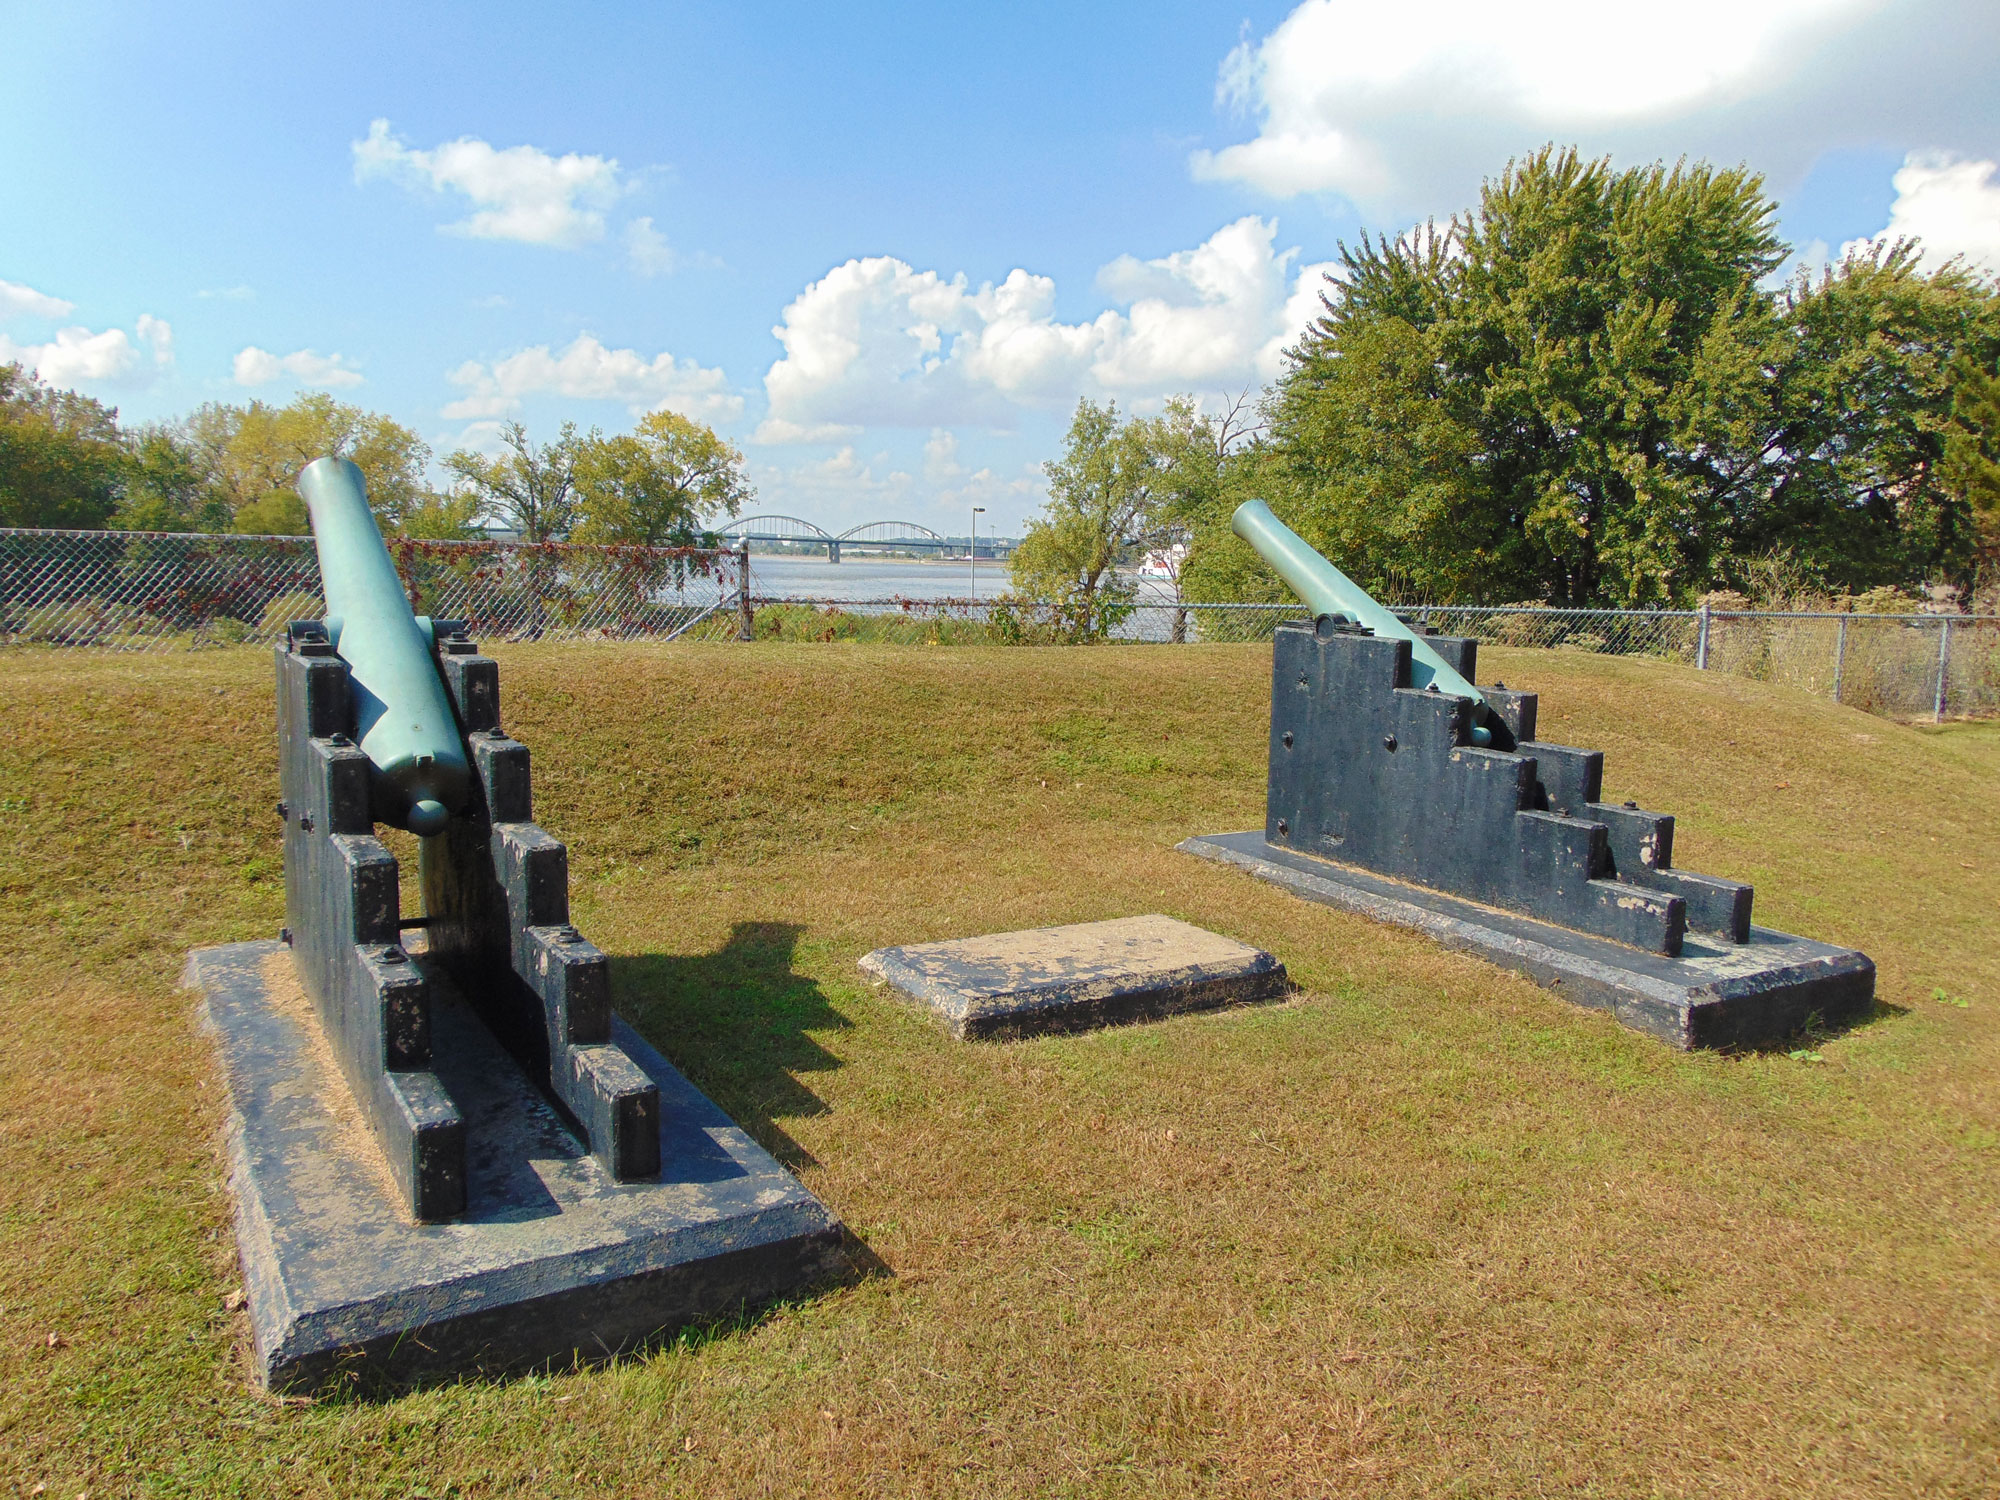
1425 1230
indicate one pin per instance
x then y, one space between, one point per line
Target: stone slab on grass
553 1260
1057 979
1715 994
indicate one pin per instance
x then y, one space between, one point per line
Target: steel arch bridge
901 532
775 529
889 535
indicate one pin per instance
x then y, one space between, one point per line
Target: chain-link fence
1901 666
148 591
152 591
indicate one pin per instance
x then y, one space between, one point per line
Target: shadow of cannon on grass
738 1022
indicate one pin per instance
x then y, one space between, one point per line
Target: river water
862 577
774 576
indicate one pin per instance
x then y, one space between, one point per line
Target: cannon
418 769
450 1154
1398 788
1334 597
375 706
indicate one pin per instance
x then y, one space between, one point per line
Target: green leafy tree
1104 495
1582 392
1214 461
165 488
529 490
62 458
659 484
532 492
1971 467
1186 455
452 517
250 458
1855 478
1126 486
1553 397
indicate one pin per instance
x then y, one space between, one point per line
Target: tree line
1583 392
66 462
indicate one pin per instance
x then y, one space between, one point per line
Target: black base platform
1715 994
553 1259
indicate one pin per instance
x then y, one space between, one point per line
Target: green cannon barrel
1326 590
403 723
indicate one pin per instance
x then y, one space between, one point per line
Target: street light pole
972 552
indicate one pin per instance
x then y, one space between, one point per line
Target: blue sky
883 248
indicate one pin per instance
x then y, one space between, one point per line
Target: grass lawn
1423 1230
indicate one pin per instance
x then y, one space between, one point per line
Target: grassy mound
1424 1230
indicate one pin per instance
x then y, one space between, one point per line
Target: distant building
1164 562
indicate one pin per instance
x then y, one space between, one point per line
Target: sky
884 249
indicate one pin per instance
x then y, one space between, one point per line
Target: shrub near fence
1005 622
149 591
902 622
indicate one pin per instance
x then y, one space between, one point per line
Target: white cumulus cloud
1003 498
1952 206
586 370
1367 100
17 301
517 192
847 487
254 367
941 464
77 356
841 476
648 249
877 342
157 335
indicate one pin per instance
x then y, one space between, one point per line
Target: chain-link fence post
746 616
1943 667
1839 658
1701 641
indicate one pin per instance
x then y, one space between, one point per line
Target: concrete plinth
552 1260
1055 979
1713 994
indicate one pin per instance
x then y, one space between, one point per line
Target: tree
1971 467
1101 495
529 490
657 485
250 458
1857 481
62 461
1582 392
443 518
1212 462
165 489
1126 486
1552 397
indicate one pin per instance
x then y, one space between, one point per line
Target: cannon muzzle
1327 591
403 723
